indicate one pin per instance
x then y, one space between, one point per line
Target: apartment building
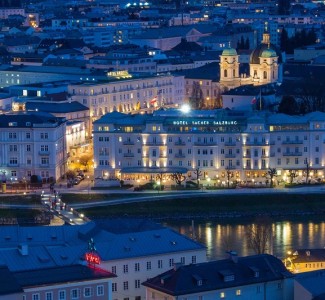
32 143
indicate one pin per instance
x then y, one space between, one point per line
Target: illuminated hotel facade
139 147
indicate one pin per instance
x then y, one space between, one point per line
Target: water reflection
219 237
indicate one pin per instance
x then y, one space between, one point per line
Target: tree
229 175
307 171
283 7
198 174
70 174
288 105
178 177
259 235
85 159
246 46
271 173
196 100
292 175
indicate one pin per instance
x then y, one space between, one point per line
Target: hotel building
139 147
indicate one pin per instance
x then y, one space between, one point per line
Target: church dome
229 52
267 49
268 53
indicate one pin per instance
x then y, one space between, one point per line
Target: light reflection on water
218 237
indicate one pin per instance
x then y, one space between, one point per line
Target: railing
128 143
128 154
180 155
180 143
230 155
44 152
292 154
292 142
230 144
205 144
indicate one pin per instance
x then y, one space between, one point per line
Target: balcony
292 154
13 165
207 144
128 143
230 155
154 144
44 152
256 143
44 165
230 144
128 155
295 142
179 143
180 155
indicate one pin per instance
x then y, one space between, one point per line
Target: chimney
233 256
23 249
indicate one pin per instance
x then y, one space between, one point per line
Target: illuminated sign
92 258
204 122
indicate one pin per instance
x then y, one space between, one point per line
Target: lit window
222 295
238 292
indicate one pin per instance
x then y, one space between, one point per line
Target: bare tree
271 173
178 177
197 99
198 174
307 171
259 235
230 175
292 175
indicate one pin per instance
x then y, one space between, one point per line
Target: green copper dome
267 53
229 52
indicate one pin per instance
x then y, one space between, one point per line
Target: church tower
264 67
229 68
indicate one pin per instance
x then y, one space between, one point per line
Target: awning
156 170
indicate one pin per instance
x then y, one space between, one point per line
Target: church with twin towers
264 66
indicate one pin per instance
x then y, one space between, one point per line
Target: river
220 236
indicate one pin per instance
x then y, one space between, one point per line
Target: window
44 135
125 285
171 262
258 289
75 294
44 148
125 268
222 295
28 135
194 259
160 264
28 148
148 265
48 296
100 290
137 283
35 297
45 160
238 292
316 160
183 260
13 161
62 295
12 135
88 292
137 267
114 287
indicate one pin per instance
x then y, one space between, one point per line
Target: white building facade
126 93
32 143
138 147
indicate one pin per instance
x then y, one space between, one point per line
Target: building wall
148 268
71 287
248 154
258 291
129 95
30 151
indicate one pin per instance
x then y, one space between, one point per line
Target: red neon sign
92 258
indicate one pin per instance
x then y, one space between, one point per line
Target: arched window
264 75
225 73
